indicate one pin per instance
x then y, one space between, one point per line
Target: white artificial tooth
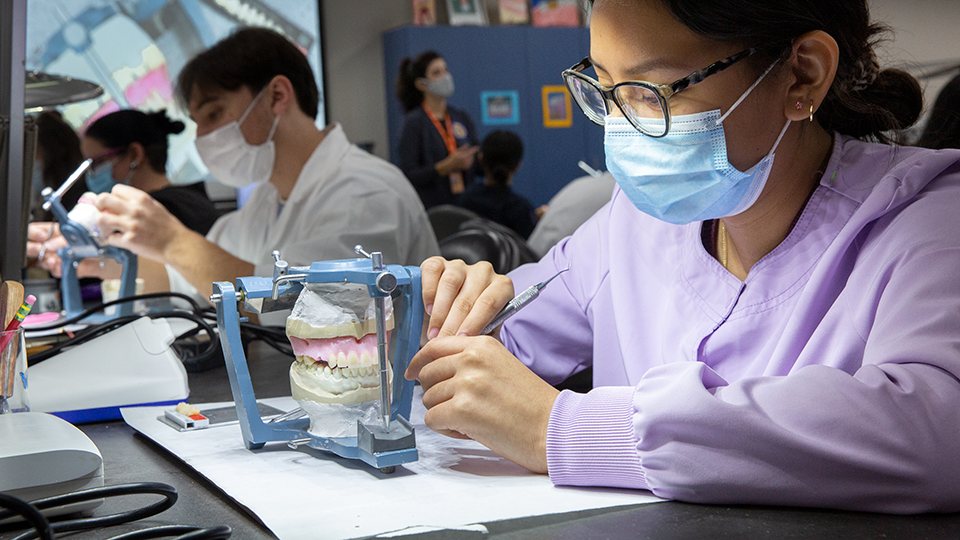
337 374
353 360
332 361
354 371
342 359
372 371
327 372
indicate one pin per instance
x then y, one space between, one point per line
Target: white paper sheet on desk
311 494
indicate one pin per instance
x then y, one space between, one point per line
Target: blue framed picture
500 107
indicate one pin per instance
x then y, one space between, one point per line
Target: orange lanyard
446 135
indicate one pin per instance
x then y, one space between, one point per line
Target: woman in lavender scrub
770 302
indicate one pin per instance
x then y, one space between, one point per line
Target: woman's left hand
474 388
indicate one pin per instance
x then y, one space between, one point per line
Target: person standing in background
500 155
437 142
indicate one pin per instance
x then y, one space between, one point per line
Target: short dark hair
59 148
411 70
864 100
500 155
943 126
251 57
120 129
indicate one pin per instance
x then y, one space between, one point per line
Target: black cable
99 307
17 507
183 532
39 527
84 524
203 316
92 332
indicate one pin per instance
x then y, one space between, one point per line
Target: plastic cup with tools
13 372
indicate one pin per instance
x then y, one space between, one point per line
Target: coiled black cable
184 532
18 507
39 526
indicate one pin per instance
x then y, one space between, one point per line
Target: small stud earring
799 105
811 111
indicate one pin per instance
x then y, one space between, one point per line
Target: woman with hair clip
770 302
130 147
437 142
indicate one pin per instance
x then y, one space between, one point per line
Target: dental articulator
329 369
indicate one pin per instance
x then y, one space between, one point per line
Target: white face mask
231 159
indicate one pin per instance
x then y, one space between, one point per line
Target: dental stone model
86 215
333 331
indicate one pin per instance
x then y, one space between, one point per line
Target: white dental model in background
85 214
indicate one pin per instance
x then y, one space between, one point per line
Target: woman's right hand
461 299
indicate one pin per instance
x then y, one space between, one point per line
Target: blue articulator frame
370 439
82 246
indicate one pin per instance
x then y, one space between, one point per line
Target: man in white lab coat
254 100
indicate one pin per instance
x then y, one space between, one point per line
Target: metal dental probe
518 303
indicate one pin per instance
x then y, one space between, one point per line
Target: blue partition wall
507 58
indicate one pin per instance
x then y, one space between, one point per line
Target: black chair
483 240
447 218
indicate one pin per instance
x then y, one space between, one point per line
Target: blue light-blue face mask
684 176
100 179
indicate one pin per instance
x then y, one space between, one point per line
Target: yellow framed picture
557 110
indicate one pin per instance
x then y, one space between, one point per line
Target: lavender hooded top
830 377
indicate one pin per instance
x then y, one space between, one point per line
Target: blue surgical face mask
684 176
100 178
442 87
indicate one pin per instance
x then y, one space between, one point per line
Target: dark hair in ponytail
500 155
864 101
943 127
410 71
121 128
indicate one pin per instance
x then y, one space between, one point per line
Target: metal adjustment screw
216 298
358 249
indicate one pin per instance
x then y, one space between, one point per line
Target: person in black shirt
130 147
500 155
438 142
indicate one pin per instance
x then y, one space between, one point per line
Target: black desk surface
130 457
